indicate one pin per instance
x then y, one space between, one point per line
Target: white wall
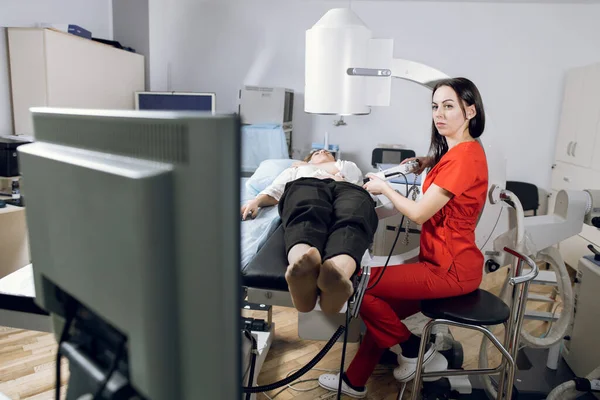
93 15
130 28
516 53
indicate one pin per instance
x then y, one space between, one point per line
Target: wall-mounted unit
268 105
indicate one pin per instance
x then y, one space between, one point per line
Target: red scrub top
448 238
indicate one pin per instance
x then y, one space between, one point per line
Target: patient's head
319 157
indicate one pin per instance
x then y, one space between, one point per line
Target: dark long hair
469 94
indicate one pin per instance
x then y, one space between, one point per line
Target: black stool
477 311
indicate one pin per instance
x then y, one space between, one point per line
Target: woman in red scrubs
450 264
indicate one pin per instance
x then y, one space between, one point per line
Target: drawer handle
574 147
566 179
569 148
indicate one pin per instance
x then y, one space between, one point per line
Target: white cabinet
580 116
587 117
572 177
577 155
596 156
567 128
56 69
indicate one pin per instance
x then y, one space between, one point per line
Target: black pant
334 217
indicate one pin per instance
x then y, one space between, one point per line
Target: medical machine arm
404 69
569 389
391 173
507 195
537 236
592 211
532 235
416 72
385 208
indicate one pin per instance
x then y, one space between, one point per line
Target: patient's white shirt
348 171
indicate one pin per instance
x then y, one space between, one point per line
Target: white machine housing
348 70
268 105
582 352
594 207
571 210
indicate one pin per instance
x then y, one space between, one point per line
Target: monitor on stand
175 101
136 260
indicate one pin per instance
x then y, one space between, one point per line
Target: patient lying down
329 221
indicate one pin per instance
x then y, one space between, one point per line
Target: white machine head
338 43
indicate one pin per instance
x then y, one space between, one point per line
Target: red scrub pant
396 297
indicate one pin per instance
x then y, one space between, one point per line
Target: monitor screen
175 101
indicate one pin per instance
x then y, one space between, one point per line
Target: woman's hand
423 163
250 209
377 185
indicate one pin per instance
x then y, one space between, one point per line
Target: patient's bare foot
335 284
302 280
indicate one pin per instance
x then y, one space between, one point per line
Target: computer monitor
135 240
175 101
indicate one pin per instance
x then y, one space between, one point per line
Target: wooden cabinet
49 68
14 242
577 153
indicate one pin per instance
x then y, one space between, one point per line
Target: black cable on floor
112 369
253 361
395 240
64 335
301 371
339 393
389 256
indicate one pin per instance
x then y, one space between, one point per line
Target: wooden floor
27 360
27 365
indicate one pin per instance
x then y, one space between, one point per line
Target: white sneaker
407 368
438 363
331 382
